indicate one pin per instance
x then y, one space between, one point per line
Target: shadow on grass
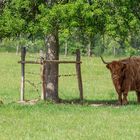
95 102
85 102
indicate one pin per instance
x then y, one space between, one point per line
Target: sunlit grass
47 121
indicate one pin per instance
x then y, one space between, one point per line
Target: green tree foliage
80 21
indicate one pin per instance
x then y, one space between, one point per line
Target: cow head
117 69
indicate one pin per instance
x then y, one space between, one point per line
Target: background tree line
95 26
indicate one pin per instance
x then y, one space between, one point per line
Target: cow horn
104 60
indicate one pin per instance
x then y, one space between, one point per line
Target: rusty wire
61 75
34 85
33 73
67 75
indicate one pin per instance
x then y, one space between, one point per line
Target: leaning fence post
78 71
23 54
43 76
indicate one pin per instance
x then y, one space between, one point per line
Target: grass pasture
98 118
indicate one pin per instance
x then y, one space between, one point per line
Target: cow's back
133 72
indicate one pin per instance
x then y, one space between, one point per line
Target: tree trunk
52 69
133 41
66 48
17 49
114 51
89 50
90 47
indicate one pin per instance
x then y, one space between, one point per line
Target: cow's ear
108 66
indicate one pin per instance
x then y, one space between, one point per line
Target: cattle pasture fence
42 62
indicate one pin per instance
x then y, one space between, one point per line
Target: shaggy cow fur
126 77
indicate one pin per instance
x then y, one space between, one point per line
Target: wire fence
43 66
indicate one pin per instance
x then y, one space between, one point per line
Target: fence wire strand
34 85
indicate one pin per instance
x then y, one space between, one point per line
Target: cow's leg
119 98
138 96
125 101
117 87
126 86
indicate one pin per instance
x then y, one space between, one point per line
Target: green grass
48 121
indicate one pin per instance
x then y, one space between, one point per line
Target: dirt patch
28 102
104 104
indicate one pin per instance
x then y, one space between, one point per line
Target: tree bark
114 51
90 46
52 69
17 49
89 50
66 48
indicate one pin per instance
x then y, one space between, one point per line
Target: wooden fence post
23 54
43 75
78 71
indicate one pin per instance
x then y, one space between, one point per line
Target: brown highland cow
125 75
